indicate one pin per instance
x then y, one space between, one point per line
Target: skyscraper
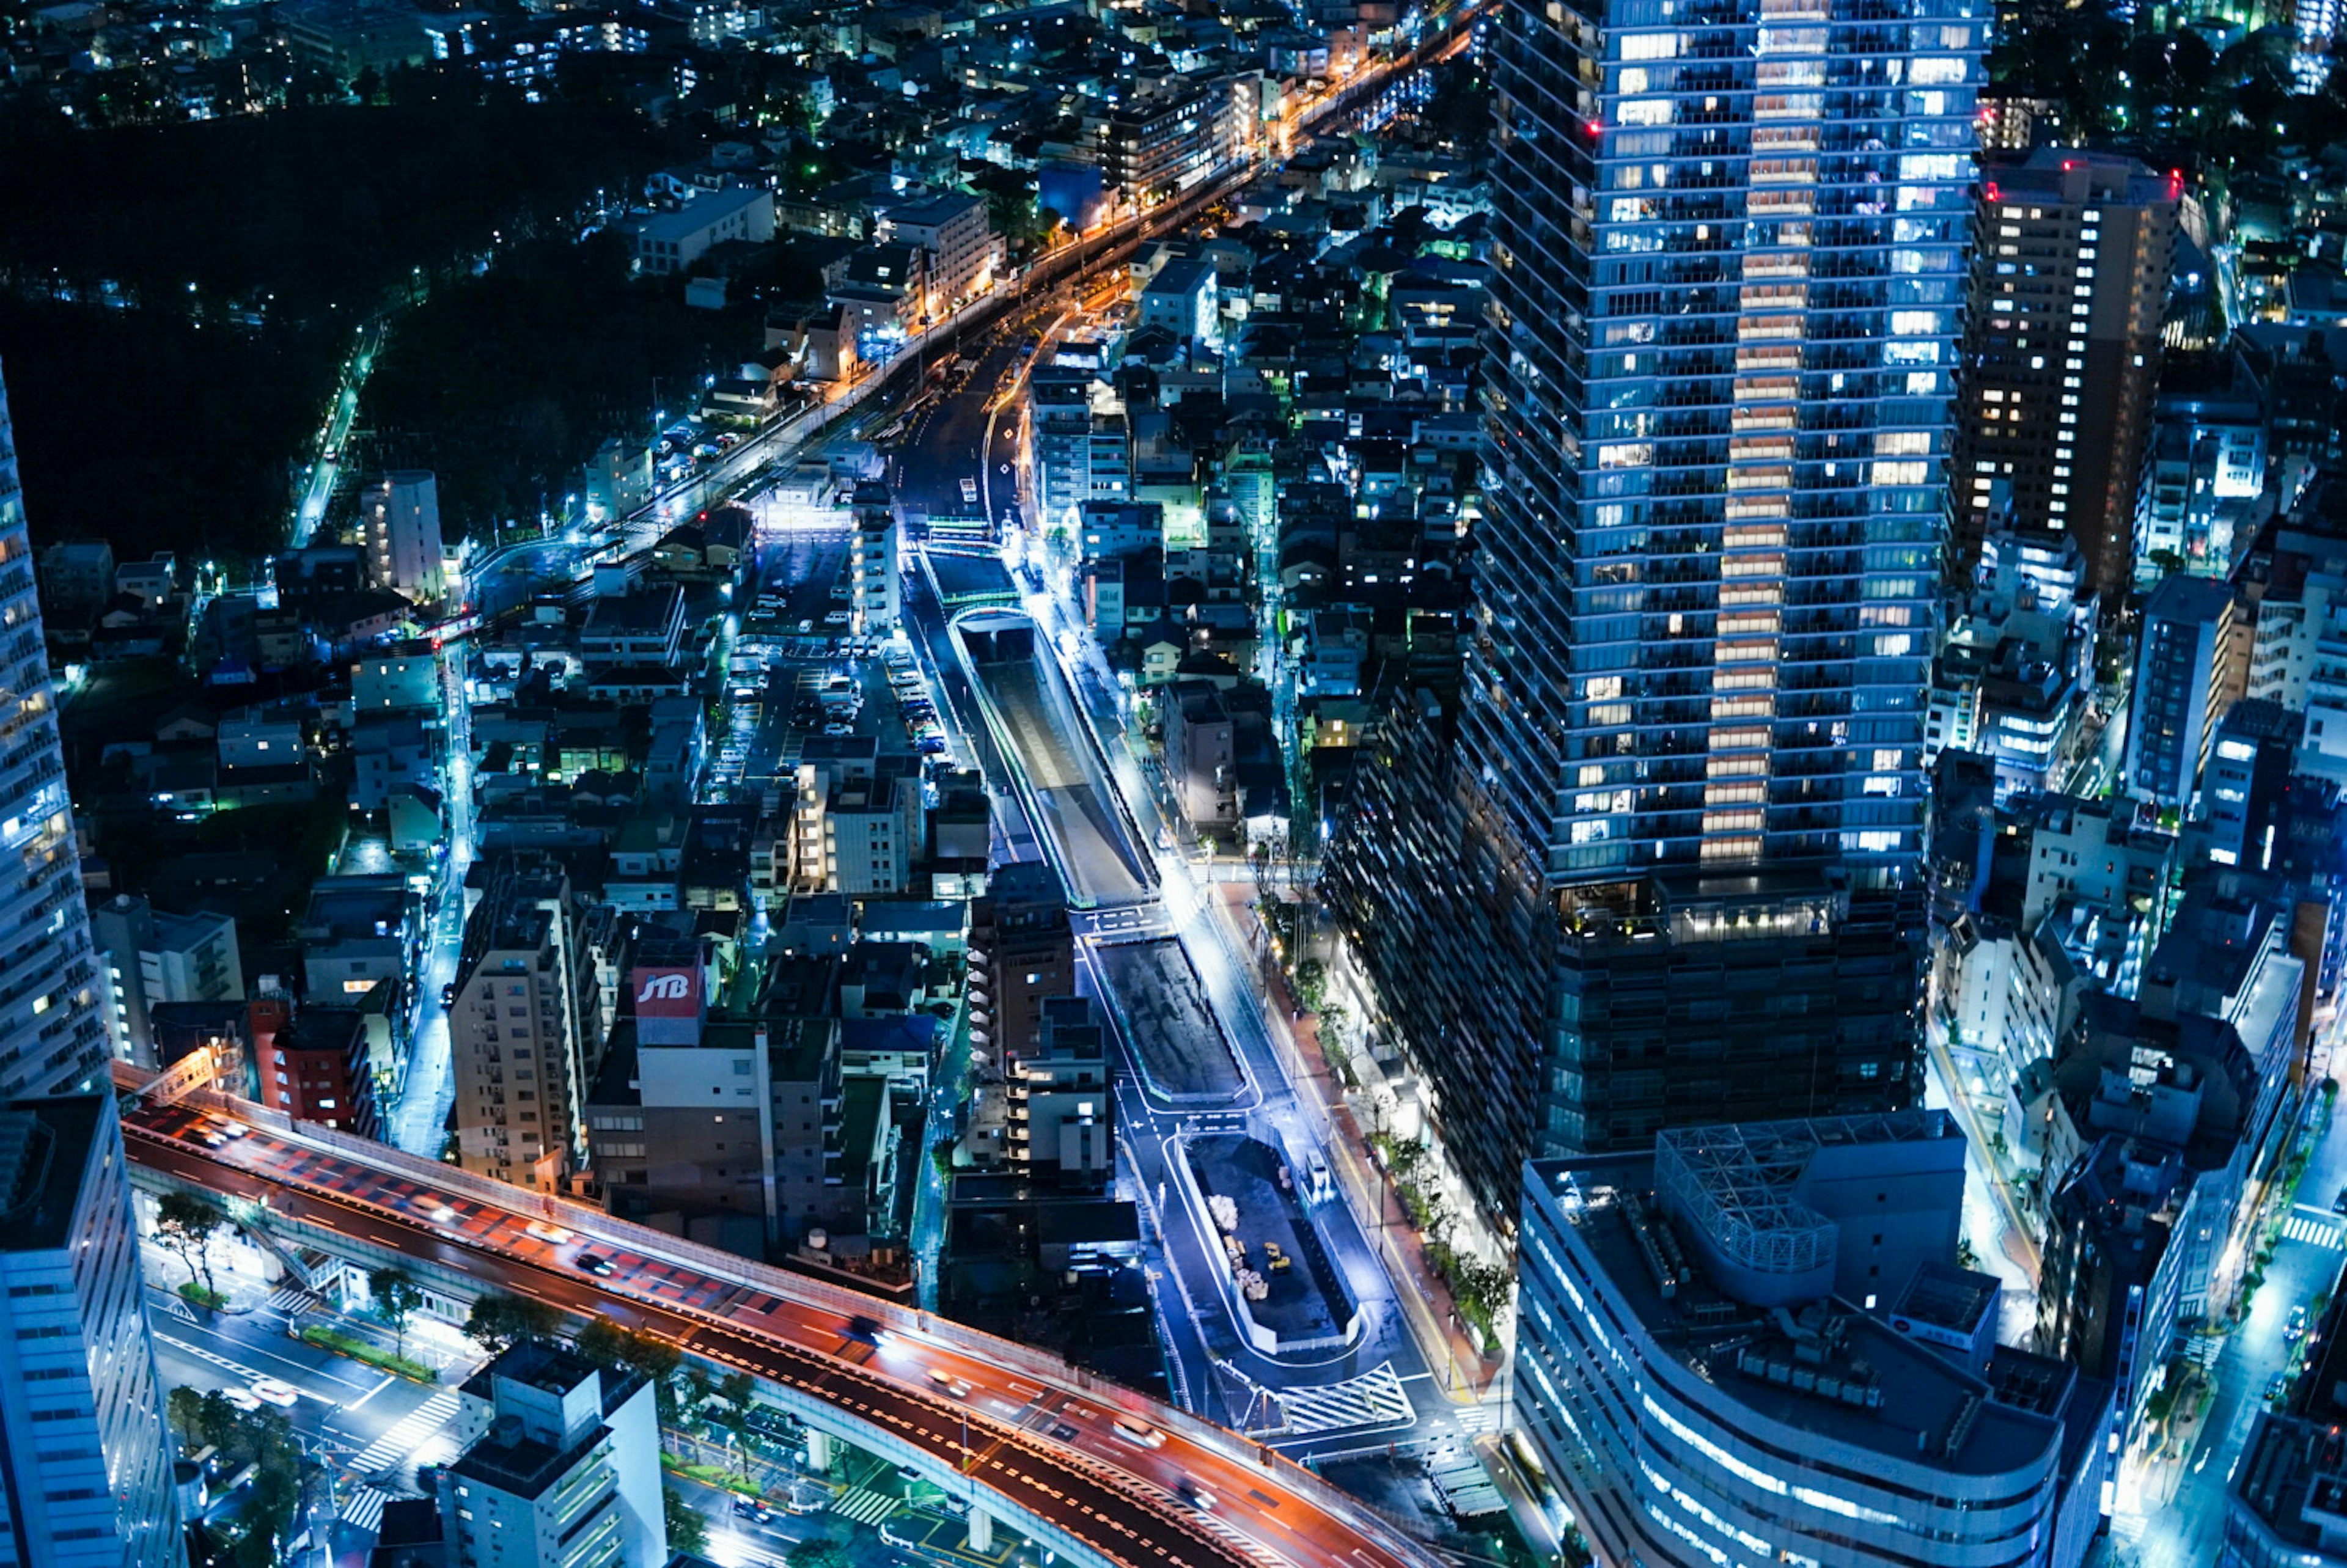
1669 877
2069 293
52 1030
84 1468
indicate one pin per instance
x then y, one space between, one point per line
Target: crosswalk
2318 1230
292 1301
1373 1399
412 1440
364 1508
1479 1419
864 1505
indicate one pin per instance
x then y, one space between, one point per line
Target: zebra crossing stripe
408 1435
864 1506
2315 1232
364 1507
1373 1399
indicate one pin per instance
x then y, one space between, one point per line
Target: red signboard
666 992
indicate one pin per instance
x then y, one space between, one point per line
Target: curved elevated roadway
1026 1437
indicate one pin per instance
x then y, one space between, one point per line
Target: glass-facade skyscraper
1666 874
51 1033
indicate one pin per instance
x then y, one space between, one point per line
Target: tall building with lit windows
2069 296
1668 874
53 1032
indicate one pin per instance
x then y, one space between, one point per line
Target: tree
396 1297
736 1401
186 1223
820 1552
688 1531
499 1322
184 1407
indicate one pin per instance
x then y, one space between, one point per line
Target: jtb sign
667 993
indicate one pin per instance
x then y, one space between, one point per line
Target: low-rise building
1732 1347
561 1464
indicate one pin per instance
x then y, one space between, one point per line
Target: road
2177 1514
417 1120
1317 1401
1003 1421
310 510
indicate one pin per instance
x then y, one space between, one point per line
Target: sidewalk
1465 1375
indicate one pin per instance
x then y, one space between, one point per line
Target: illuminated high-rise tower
52 1034
1668 874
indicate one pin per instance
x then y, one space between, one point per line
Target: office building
152 956
521 1027
53 1029
2181 690
85 1463
879 587
1751 1344
2249 774
399 523
2204 472
962 247
2062 350
1720 358
721 1124
316 1064
1022 950
561 1467
2286 1496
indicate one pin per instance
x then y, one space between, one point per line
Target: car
2296 1328
837 618
2339 1203
838 730
596 1264
727 439
750 1508
546 1230
449 994
1065 1433
1197 1497
868 1331
842 593
234 1128
276 1391
1133 1429
947 1383
707 451
930 745
2277 1388
211 1137
244 1399
805 626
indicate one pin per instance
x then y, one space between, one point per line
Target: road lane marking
387 1381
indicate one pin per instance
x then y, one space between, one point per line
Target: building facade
85 1464
53 1035
2179 690
1751 1345
562 1467
2069 293
399 516
521 1027
1720 365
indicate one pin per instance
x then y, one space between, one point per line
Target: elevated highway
1096 1471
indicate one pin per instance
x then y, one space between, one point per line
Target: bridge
1092 1471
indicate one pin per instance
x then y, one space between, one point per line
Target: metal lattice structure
1737 1183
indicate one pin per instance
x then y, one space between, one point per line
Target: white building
153 957
963 249
562 1467
390 680
1752 1345
51 1033
85 1464
399 518
879 590
670 242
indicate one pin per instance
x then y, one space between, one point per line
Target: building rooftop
704 210
44 1147
1826 1368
